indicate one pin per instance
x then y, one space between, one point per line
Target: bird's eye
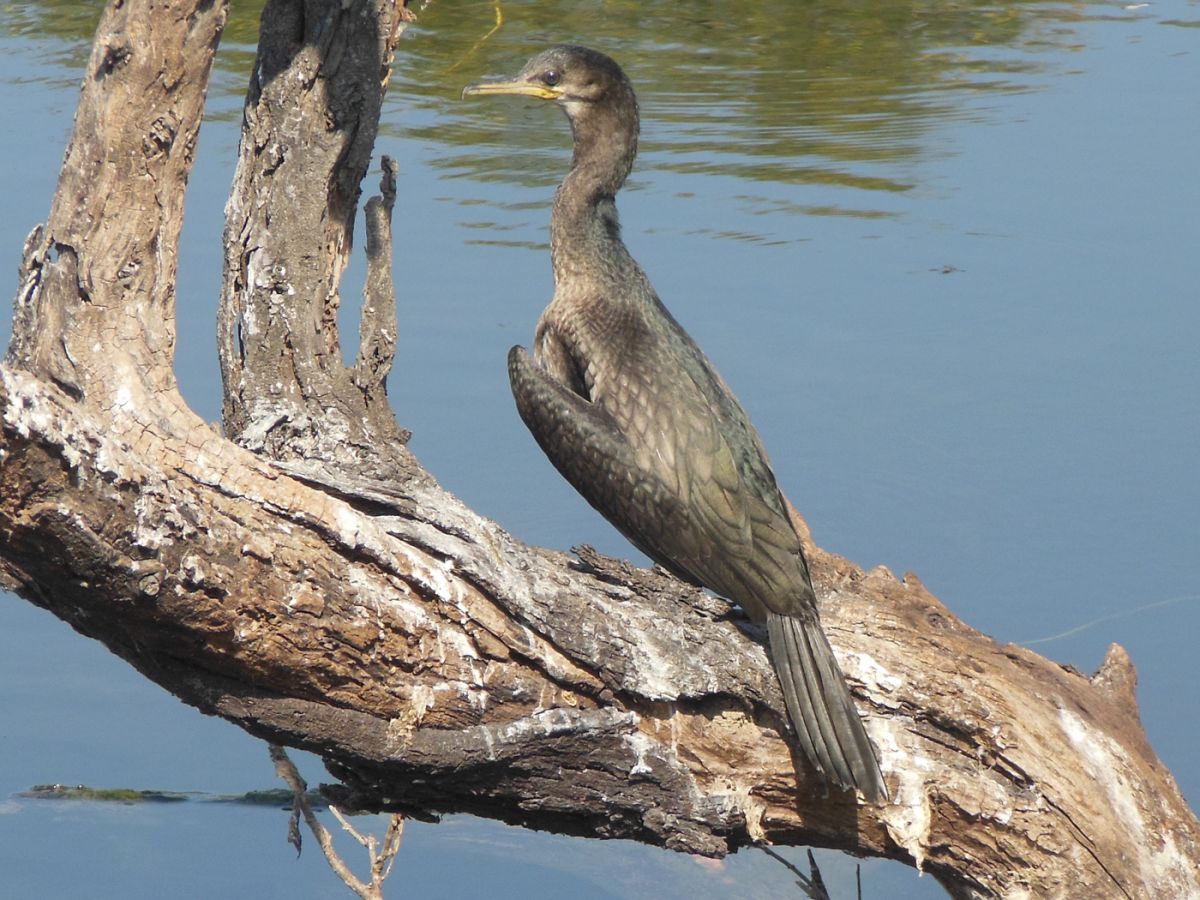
551 77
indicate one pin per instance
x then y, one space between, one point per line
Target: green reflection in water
71 24
786 92
64 29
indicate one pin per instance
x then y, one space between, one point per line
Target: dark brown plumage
634 416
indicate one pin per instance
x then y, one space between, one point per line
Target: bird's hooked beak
516 87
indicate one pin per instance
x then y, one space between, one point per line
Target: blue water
964 321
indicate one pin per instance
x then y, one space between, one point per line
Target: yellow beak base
511 88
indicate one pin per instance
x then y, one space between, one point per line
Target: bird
631 412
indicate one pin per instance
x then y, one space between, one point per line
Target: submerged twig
499 23
381 859
812 884
1109 617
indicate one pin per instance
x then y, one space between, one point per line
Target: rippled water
945 255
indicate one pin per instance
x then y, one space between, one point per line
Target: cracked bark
305 578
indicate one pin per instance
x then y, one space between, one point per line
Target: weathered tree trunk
323 592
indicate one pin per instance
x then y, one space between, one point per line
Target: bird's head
576 78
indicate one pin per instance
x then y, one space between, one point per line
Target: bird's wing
584 443
591 451
659 454
731 532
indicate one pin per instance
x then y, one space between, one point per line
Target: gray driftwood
302 576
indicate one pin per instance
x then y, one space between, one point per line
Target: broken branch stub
309 128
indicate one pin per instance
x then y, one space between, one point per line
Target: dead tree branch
310 582
381 859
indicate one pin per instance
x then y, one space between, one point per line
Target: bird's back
703 501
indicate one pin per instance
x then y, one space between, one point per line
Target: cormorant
631 412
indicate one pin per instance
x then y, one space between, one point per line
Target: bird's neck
584 230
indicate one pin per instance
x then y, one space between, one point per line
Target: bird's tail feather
819 705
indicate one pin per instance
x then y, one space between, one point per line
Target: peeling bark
304 578
311 115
